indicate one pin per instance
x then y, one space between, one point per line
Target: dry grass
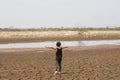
60 33
33 34
101 33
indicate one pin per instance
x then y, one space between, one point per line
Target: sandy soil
79 63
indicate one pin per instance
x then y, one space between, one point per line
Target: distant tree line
58 29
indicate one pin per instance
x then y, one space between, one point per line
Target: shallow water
64 43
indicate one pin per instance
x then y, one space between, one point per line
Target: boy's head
58 44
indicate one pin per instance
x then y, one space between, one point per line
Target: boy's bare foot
59 72
56 72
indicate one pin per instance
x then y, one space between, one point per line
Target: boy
58 50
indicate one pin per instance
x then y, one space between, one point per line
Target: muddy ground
79 63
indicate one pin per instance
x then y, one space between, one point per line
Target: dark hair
58 44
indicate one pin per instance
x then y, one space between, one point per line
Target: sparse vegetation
57 32
59 29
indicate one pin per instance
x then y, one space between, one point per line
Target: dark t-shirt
59 53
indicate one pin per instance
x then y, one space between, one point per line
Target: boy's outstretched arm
50 47
65 47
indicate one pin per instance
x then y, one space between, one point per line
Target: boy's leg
59 65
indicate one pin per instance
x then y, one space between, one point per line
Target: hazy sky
57 13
